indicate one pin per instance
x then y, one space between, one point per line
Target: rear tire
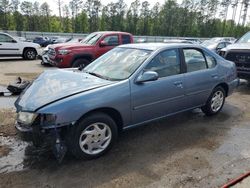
30 54
93 136
80 63
215 102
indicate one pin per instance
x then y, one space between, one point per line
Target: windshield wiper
97 75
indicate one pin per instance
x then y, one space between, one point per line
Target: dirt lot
12 68
187 150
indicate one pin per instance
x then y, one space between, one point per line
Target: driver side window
5 38
111 40
166 63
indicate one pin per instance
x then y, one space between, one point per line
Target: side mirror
147 76
103 43
13 41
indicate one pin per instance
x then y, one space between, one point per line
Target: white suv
11 47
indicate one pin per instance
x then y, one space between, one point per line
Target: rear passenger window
166 63
126 39
194 59
211 62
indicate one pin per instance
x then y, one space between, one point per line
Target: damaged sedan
85 110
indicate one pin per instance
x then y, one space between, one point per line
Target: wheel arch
113 113
26 48
224 86
88 57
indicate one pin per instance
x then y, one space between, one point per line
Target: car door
126 39
164 96
200 77
8 45
107 43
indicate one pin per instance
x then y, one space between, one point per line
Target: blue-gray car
85 110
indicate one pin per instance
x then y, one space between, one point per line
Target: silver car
131 85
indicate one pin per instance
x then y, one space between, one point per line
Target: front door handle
178 84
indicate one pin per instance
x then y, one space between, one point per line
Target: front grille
52 52
241 59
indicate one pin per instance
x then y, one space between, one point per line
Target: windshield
244 39
207 43
118 64
91 39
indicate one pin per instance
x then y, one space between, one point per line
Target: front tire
80 63
30 54
215 102
93 136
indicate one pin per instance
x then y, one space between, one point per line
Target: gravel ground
186 150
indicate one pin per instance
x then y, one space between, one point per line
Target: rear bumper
39 51
233 85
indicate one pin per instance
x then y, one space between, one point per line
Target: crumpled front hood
238 46
51 86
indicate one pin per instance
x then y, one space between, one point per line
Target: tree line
203 18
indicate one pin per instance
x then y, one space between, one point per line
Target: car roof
4 33
112 32
157 46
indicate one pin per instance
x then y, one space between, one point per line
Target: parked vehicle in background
93 46
23 39
57 39
239 53
11 47
86 109
42 41
215 46
177 41
141 40
221 39
194 40
44 56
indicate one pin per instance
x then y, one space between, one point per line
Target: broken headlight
47 119
26 117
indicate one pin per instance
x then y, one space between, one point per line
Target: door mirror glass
147 76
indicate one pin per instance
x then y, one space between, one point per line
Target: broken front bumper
52 137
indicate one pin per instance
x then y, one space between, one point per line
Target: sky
54 7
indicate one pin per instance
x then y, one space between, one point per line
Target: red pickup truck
81 54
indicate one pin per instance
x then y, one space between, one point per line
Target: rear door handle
178 84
